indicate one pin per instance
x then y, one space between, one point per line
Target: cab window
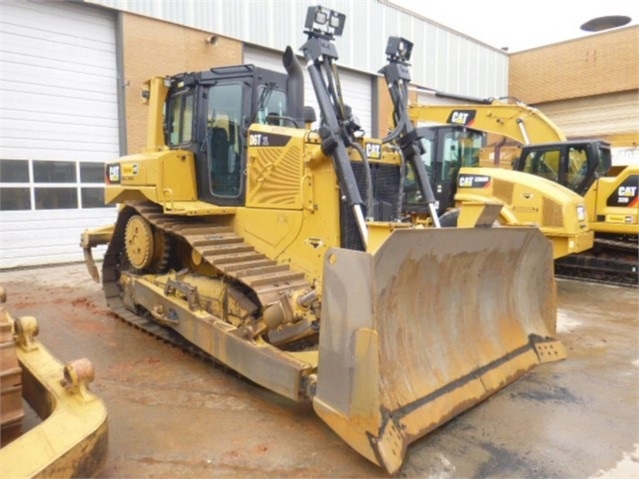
605 161
459 149
181 119
224 139
577 167
543 163
411 188
271 105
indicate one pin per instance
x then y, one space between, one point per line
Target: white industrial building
62 113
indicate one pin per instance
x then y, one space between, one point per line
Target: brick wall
156 48
599 64
385 107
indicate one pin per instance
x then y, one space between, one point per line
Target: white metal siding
443 59
424 98
356 87
58 102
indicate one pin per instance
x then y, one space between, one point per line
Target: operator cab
446 150
574 164
209 113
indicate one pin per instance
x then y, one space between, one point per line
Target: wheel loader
279 251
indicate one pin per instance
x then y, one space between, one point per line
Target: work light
325 21
399 49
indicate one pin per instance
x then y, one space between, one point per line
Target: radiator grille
386 204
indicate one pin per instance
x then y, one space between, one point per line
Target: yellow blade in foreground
432 323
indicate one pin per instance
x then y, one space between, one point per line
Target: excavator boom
516 121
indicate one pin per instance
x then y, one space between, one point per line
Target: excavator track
611 261
219 246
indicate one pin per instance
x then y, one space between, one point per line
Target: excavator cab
446 149
575 164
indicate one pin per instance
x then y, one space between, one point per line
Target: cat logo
113 173
461 117
466 181
267 139
473 181
626 194
374 151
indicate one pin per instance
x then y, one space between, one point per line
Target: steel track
218 246
612 265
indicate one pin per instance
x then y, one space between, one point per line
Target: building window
14 171
92 197
55 198
47 185
91 172
54 172
12 199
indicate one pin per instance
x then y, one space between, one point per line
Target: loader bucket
432 323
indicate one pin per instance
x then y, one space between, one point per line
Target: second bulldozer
280 251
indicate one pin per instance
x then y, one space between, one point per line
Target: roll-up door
58 85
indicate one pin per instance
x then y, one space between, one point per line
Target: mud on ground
172 415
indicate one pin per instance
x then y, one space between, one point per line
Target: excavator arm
515 121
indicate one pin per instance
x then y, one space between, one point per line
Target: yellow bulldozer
280 251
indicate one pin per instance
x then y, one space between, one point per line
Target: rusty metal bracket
190 292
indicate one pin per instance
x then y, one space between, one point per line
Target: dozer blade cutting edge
432 323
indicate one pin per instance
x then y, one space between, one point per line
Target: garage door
58 108
356 87
612 117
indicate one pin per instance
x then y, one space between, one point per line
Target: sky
520 25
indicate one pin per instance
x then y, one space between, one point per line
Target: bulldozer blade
427 326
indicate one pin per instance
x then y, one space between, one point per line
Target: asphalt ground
173 415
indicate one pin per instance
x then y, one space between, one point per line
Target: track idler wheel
147 248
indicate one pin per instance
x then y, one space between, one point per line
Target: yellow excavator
451 154
280 251
612 205
509 123
583 166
